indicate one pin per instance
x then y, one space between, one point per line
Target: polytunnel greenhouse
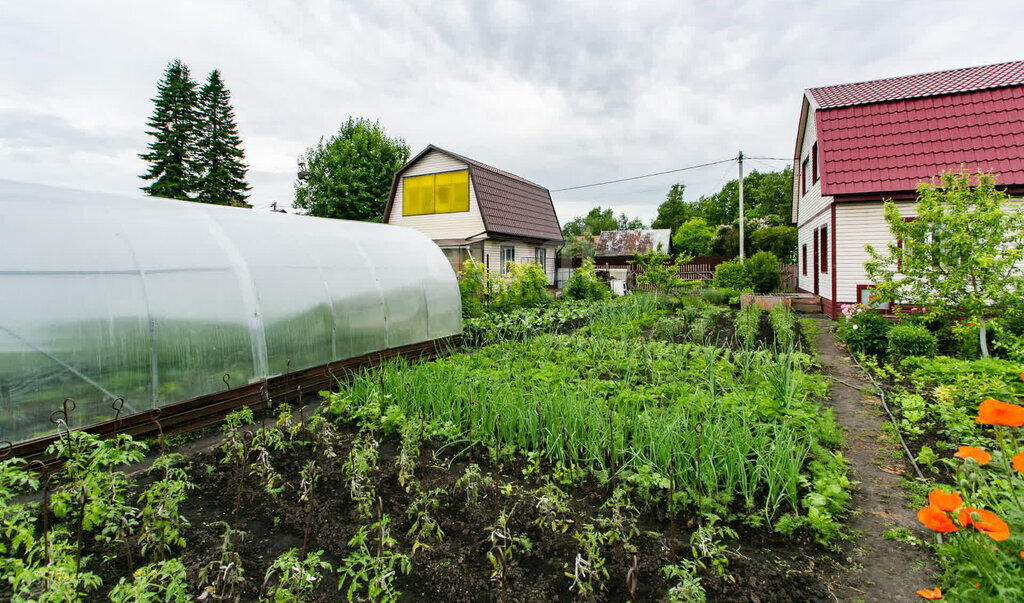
156 301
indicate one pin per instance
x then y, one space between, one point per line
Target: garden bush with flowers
981 515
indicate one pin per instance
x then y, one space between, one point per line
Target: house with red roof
472 210
859 144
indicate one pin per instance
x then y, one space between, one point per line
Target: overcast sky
560 93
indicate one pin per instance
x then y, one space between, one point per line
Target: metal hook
227 380
117 405
6 447
154 416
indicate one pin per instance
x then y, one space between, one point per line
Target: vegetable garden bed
629 459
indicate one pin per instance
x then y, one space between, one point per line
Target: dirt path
878 569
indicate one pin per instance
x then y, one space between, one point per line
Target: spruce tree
172 157
222 170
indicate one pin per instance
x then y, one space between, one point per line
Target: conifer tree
171 156
222 170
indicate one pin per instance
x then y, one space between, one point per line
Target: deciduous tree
960 257
349 174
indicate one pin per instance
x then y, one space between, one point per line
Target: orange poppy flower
994 412
988 523
931 594
1017 461
967 452
936 520
937 499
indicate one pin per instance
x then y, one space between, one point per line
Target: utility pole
741 206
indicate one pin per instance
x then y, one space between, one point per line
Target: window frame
502 249
823 248
814 163
804 250
540 256
803 175
435 194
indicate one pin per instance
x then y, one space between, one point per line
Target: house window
803 176
540 256
824 248
804 249
866 296
814 161
443 193
508 255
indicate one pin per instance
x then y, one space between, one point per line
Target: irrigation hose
899 434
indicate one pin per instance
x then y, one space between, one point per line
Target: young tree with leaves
960 258
220 154
173 164
348 176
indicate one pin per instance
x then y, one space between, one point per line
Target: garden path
878 569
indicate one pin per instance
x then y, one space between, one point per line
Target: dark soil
763 566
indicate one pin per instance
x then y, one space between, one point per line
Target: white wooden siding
525 254
812 202
805 236
439 226
857 225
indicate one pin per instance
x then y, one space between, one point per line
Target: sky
562 93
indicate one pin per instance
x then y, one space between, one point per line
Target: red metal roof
916 86
894 145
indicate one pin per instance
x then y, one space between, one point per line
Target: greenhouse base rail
204 411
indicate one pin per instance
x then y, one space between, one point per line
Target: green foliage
525 322
732 275
473 288
778 240
766 195
599 220
293 578
961 256
358 469
157 583
783 324
673 211
909 339
522 286
693 237
373 572
173 163
714 296
763 272
349 174
658 271
583 285
865 331
748 322
162 523
220 155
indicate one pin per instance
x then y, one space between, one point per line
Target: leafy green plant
373 572
748 323
864 330
687 587
552 508
588 571
505 544
291 578
783 324
732 275
583 284
424 526
224 573
161 521
473 482
763 271
657 271
157 582
358 469
909 339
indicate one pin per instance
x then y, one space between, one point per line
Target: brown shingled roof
510 206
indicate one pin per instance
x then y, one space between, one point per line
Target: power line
769 158
691 167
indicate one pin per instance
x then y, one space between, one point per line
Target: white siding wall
812 202
857 225
525 253
805 236
439 226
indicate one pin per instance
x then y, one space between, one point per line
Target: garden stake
125 533
44 477
302 411
61 417
309 506
380 527
227 380
700 502
81 519
497 424
611 442
246 440
632 579
470 396
117 405
671 510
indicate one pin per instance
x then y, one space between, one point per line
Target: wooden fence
705 271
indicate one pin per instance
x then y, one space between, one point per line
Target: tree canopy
598 220
196 153
960 257
764 194
349 175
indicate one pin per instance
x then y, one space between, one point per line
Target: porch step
807 305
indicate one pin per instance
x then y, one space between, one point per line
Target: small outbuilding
472 210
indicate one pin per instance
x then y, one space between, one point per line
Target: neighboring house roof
889 135
509 205
627 242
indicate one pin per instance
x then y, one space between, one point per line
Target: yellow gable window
435 193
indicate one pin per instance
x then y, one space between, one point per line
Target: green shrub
523 286
763 272
865 330
584 284
732 275
714 296
472 288
911 340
